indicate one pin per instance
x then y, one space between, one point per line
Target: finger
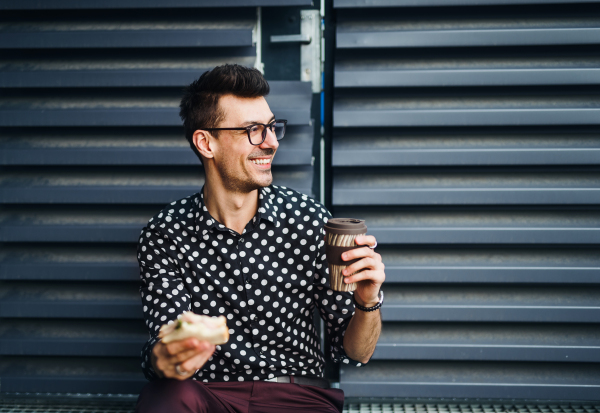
177 376
165 362
185 355
196 362
176 347
357 253
375 277
168 365
365 240
361 265
199 346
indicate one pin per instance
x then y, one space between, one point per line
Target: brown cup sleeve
334 254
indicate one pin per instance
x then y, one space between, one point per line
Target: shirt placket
249 286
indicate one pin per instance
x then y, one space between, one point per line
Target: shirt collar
204 221
267 210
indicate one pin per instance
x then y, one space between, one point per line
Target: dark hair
199 107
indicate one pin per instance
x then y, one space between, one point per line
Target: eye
254 128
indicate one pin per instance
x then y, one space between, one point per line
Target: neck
232 209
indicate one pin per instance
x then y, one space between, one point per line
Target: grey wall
466 134
91 146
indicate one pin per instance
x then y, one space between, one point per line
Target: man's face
242 166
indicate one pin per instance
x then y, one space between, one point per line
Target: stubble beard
244 184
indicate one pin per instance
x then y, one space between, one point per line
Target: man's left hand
371 271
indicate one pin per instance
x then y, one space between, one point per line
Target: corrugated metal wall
466 133
91 146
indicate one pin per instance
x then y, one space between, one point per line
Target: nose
270 140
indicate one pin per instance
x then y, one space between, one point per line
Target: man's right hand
189 354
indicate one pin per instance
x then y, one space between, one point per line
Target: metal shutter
466 134
91 146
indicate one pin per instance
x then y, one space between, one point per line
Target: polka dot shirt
267 281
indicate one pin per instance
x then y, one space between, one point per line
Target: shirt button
241 240
252 317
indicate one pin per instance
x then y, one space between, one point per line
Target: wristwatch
368 309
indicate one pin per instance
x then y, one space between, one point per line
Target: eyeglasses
257 132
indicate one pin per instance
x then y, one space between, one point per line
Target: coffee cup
340 234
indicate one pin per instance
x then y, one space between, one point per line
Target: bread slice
204 328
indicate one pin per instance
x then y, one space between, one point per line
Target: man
253 252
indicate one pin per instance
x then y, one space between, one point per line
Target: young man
253 252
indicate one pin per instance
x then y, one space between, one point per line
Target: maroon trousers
190 396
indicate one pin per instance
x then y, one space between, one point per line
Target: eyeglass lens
258 133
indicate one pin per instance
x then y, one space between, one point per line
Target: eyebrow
254 122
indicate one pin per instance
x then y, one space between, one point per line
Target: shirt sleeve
336 308
163 294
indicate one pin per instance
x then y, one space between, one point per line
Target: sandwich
204 328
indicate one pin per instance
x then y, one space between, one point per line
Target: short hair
199 107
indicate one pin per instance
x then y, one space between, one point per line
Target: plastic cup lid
349 226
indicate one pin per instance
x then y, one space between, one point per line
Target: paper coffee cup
339 238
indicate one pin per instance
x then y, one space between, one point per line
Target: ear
202 141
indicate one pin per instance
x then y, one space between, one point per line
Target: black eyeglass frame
264 132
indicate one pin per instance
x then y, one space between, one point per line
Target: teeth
260 161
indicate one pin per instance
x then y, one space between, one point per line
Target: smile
261 161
